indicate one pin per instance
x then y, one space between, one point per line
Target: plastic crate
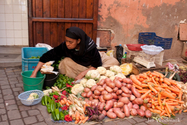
165 43
146 37
150 38
27 52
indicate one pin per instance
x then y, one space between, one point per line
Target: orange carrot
134 80
152 89
137 86
166 81
166 94
185 110
143 76
159 100
144 85
169 110
160 74
144 95
155 74
155 111
163 112
84 120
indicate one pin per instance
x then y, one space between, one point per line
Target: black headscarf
86 42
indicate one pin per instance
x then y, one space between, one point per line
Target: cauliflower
83 82
112 77
116 69
90 83
121 75
92 74
33 96
102 77
109 73
77 88
101 70
46 92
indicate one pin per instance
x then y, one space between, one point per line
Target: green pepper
58 105
60 86
61 116
57 114
43 100
53 116
46 98
48 108
53 105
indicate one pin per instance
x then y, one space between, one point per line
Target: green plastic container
32 83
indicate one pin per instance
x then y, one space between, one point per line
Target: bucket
50 79
32 83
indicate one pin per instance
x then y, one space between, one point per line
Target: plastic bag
110 53
44 45
126 68
119 53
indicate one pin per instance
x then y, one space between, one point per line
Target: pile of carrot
79 118
161 95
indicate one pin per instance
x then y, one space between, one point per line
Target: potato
125 95
104 112
97 92
124 84
129 105
135 92
93 88
108 80
148 113
125 89
138 101
134 112
86 90
132 97
83 94
100 88
143 108
119 104
126 110
101 98
91 98
141 112
89 94
110 84
101 106
95 96
107 97
135 106
119 92
115 89
119 113
101 82
111 110
104 85
125 100
111 115
129 86
108 89
109 105
117 83
114 96
127 80
104 92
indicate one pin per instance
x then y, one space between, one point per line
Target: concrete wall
124 19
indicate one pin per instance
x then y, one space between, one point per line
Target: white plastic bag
44 45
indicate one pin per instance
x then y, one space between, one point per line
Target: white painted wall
13 22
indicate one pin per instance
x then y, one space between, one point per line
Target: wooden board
49 19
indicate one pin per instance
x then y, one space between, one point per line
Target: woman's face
72 43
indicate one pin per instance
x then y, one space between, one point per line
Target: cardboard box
184 51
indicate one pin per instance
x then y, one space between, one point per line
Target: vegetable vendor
80 52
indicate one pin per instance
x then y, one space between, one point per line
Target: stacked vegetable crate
27 53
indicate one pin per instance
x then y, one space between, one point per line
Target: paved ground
12 112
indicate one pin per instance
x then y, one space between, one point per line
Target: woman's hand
33 75
80 76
